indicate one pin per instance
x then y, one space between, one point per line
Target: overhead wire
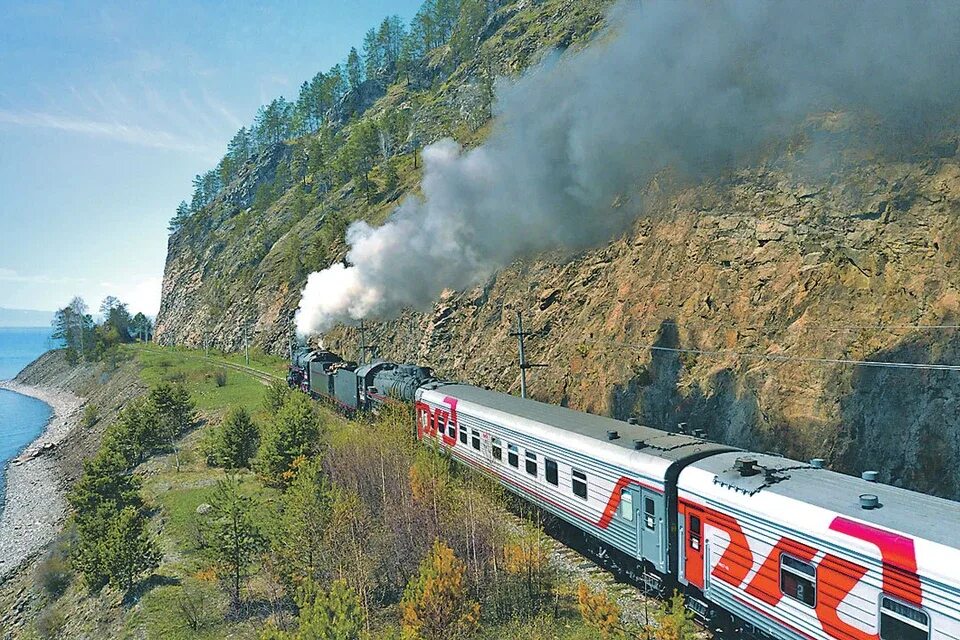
784 357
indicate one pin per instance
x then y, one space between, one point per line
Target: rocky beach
34 504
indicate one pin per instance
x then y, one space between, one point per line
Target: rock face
737 307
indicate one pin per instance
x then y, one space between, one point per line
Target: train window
626 505
900 621
694 533
798 580
550 470
475 439
444 423
463 436
531 463
649 514
580 484
496 448
513 456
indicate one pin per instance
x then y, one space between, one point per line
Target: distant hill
24 318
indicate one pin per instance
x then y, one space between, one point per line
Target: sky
108 110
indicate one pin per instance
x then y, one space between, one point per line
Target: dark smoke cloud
694 86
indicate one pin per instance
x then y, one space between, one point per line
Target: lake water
22 419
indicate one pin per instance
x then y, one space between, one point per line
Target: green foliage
599 611
299 541
105 490
113 545
54 571
277 393
175 411
91 415
391 179
295 431
331 615
470 22
135 433
73 325
435 604
220 377
129 550
234 441
232 535
674 621
85 340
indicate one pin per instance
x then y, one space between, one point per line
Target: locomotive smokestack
697 88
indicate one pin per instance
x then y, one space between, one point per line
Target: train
760 545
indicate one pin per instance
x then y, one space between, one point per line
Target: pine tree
180 217
354 70
176 414
463 39
305 515
674 621
235 441
295 431
105 489
129 550
328 615
598 611
135 433
435 604
232 534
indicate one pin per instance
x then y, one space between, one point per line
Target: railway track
262 376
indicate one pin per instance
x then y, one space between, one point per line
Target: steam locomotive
761 546
352 387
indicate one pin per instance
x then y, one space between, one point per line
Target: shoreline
35 502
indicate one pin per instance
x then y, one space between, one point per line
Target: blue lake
22 419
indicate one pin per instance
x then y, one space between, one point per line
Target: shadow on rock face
905 423
723 407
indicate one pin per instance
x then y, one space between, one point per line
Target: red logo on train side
836 577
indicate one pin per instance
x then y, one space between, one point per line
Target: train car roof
656 442
923 516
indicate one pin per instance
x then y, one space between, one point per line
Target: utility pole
524 365
246 346
363 343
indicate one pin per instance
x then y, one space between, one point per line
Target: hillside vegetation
739 305
263 515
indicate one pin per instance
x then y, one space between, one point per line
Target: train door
649 527
693 547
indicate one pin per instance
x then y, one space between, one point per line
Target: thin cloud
130 134
11 275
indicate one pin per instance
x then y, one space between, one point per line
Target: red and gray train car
761 545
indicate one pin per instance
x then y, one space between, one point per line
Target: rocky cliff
740 305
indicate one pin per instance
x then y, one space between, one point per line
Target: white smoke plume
694 86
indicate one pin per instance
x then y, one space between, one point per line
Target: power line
786 358
827 327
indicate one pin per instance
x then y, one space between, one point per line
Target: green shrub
91 415
54 572
220 377
233 442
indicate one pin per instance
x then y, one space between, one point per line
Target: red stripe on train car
602 523
898 558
